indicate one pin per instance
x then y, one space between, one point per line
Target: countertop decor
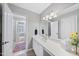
75 40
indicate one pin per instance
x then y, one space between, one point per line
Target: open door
7 35
14 30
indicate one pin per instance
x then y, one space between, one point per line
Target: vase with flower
75 40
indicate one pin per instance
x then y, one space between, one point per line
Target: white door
7 30
7 34
54 30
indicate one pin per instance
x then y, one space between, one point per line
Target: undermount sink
44 40
62 43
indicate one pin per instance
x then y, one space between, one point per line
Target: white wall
32 19
68 25
72 15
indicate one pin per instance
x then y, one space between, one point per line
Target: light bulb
55 16
50 17
44 18
47 16
52 14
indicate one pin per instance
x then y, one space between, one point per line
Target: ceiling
34 7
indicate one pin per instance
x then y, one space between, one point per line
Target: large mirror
50 28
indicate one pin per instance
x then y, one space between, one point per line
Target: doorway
0 30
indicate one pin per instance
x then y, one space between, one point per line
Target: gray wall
32 19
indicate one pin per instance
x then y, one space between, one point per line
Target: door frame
14 25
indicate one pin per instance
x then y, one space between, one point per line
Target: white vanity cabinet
48 48
38 49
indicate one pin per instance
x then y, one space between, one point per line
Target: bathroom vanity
47 47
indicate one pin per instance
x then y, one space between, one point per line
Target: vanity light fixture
50 16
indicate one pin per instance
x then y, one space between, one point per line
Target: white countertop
52 47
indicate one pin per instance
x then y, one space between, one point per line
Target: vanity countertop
52 47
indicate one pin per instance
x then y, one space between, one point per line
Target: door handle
5 42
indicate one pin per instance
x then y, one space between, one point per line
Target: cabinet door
38 49
7 47
34 46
